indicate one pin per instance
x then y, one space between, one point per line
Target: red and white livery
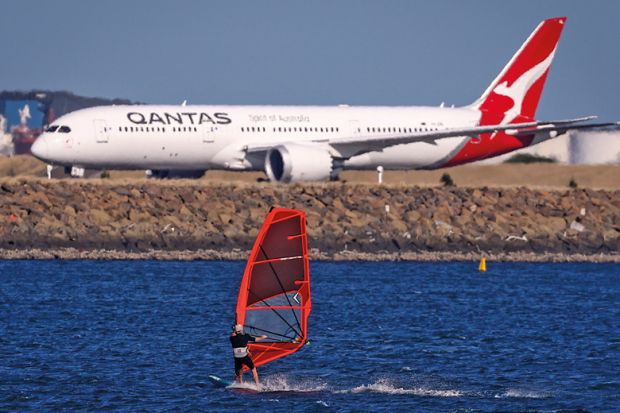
304 143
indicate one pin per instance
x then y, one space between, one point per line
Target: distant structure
591 148
6 139
594 148
24 115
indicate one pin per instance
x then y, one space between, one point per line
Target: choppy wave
523 394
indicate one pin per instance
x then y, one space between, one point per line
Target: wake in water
388 387
283 383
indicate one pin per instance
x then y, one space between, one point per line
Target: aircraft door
354 127
101 131
208 135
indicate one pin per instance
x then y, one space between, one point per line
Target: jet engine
294 163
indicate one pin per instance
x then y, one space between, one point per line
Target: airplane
308 143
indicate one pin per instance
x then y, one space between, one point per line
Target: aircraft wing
432 136
355 145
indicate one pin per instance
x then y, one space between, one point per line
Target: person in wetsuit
239 342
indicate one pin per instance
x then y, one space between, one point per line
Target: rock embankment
344 220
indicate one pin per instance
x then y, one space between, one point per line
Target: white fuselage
310 143
216 137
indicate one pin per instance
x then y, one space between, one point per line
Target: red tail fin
514 94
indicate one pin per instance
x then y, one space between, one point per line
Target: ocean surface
423 337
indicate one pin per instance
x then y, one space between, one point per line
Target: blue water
144 335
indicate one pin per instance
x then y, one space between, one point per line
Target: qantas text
179 118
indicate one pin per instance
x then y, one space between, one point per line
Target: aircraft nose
40 148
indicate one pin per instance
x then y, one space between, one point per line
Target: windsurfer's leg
255 374
238 371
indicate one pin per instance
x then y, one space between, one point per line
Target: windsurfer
239 342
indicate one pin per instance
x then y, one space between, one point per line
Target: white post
380 174
49 171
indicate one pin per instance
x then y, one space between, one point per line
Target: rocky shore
140 219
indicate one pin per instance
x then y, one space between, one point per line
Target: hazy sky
306 52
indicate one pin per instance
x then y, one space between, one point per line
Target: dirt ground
541 175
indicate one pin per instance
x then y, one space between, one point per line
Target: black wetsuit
240 341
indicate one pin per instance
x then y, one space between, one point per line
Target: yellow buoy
483 265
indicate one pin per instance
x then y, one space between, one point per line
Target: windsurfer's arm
260 338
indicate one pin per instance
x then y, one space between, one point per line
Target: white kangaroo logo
516 92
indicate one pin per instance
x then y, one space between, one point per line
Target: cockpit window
51 128
64 129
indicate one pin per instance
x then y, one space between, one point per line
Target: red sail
274 297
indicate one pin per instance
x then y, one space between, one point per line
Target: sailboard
219 382
232 385
274 295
